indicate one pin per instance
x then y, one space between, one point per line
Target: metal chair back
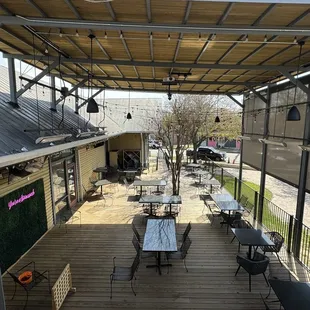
136 244
243 200
278 241
185 247
135 265
187 230
135 231
242 224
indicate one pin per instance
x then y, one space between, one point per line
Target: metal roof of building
227 47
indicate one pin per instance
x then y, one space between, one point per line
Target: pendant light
92 106
293 113
217 119
129 114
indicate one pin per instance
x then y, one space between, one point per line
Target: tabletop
221 197
149 183
193 165
231 205
292 295
253 237
175 199
201 172
211 182
160 236
102 182
101 169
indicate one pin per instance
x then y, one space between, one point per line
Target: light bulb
169 37
105 35
77 33
265 38
46 50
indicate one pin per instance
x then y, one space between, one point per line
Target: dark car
205 152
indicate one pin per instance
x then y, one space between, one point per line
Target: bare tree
173 131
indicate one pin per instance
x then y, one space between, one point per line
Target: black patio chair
37 277
182 237
265 303
67 214
278 241
124 273
142 254
248 208
214 210
181 253
240 224
255 266
277 272
137 235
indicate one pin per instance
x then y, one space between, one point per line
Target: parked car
204 152
153 144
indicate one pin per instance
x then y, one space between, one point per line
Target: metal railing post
235 188
255 204
222 177
212 169
290 233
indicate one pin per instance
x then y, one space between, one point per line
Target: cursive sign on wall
15 202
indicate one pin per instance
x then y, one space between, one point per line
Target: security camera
169 96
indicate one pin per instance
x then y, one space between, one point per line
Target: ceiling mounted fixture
49 139
129 114
217 119
92 106
293 113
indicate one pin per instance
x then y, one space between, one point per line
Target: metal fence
273 218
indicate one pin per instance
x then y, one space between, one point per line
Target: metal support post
222 177
241 156
53 94
290 233
235 188
302 186
76 111
12 79
255 204
2 298
264 159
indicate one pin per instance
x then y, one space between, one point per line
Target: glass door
71 181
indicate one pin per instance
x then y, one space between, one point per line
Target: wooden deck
106 232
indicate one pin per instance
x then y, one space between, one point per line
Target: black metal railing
273 217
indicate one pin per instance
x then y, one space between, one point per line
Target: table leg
170 208
140 190
228 222
159 262
250 252
211 188
101 189
199 178
157 188
151 210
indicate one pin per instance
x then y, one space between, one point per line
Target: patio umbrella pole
2 299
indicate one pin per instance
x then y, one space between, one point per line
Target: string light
169 38
105 35
265 38
60 33
246 38
295 40
77 33
199 38
46 50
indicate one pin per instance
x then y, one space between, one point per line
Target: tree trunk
195 153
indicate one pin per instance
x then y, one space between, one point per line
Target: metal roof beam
148 10
149 27
160 64
296 82
81 83
235 100
143 80
37 8
37 78
257 94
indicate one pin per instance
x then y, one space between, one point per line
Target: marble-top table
160 236
102 183
142 183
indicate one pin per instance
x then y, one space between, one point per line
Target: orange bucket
25 277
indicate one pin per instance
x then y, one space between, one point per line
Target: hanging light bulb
293 113
169 38
199 38
77 33
295 40
121 35
46 50
129 114
217 119
60 33
105 35
246 38
265 38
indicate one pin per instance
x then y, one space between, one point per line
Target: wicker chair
37 277
240 224
124 273
255 266
182 237
278 241
181 253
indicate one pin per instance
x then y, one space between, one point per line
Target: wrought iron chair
124 273
128 186
181 253
182 237
214 210
142 254
240 224
265 303
137 235
37 277
255 266
248 208
69 213
278 241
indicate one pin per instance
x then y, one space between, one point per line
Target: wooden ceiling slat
18 6
283 14
164 11
56 9
131 10
245 13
